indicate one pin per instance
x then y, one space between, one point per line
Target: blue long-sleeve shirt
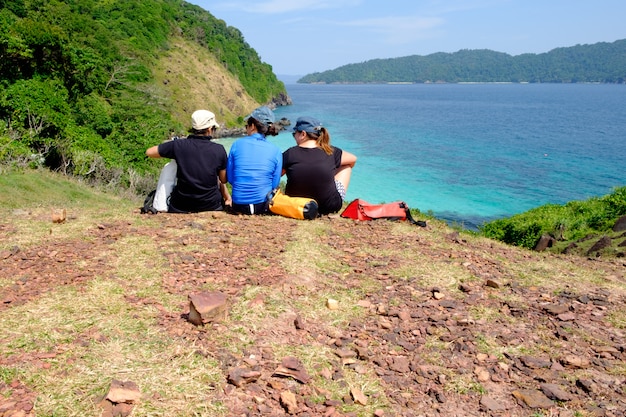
254 168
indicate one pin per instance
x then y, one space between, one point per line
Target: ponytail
265 130
322 139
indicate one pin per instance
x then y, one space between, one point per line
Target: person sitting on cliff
315 169
201 167
254 164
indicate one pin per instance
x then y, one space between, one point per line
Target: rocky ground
535 351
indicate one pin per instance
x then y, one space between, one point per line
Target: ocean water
470 153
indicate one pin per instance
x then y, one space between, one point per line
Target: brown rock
289 402
574 361
489 404
603 242
358 396
545 242
241 376
207 307
400 364
492 283
58 216
292 367
556 309
533 398
555 392
620 224
123 392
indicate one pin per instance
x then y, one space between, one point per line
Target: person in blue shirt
254 164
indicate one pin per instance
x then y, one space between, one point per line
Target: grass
123 319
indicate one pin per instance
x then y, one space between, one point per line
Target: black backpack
148 204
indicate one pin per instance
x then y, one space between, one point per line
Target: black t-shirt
199 161
311 173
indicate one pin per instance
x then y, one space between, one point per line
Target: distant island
598 63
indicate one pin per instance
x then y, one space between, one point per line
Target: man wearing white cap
201 172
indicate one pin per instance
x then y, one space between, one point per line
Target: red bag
362 210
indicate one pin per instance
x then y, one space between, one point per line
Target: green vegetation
601 62
78 88
567 223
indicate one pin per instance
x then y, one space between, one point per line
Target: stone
207 307
292 367
123 392
358 396
492 284
533 398
489 404
289 402
400 364
620 224
556 309
555 392
545 241
603 242
59 216
241 376
574 361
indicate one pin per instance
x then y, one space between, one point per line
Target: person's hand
228 202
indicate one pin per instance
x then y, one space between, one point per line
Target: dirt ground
585 377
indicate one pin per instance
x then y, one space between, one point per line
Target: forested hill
601 62
87 85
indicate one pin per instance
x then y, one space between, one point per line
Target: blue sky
298 37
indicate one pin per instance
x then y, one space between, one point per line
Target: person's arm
228 200
348 159
153 152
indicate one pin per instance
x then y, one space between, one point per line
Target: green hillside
598 63
86 86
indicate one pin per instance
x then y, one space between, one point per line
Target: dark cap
262 114
307 124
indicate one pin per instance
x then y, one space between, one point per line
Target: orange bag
293 207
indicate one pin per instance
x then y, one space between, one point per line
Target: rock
59 216
556 309
123 392
585 385
332 304
603 242
298 322
358 396
207 307
535 363
620 224
555 392
574 361
292 367
533 398
489 404
492 283
289 402
241 376
400 364
545 241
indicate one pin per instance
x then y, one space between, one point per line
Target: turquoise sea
471 153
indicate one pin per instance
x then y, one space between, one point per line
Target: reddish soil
390 341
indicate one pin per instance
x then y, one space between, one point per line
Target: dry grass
68 343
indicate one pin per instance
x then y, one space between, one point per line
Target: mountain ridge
601 62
